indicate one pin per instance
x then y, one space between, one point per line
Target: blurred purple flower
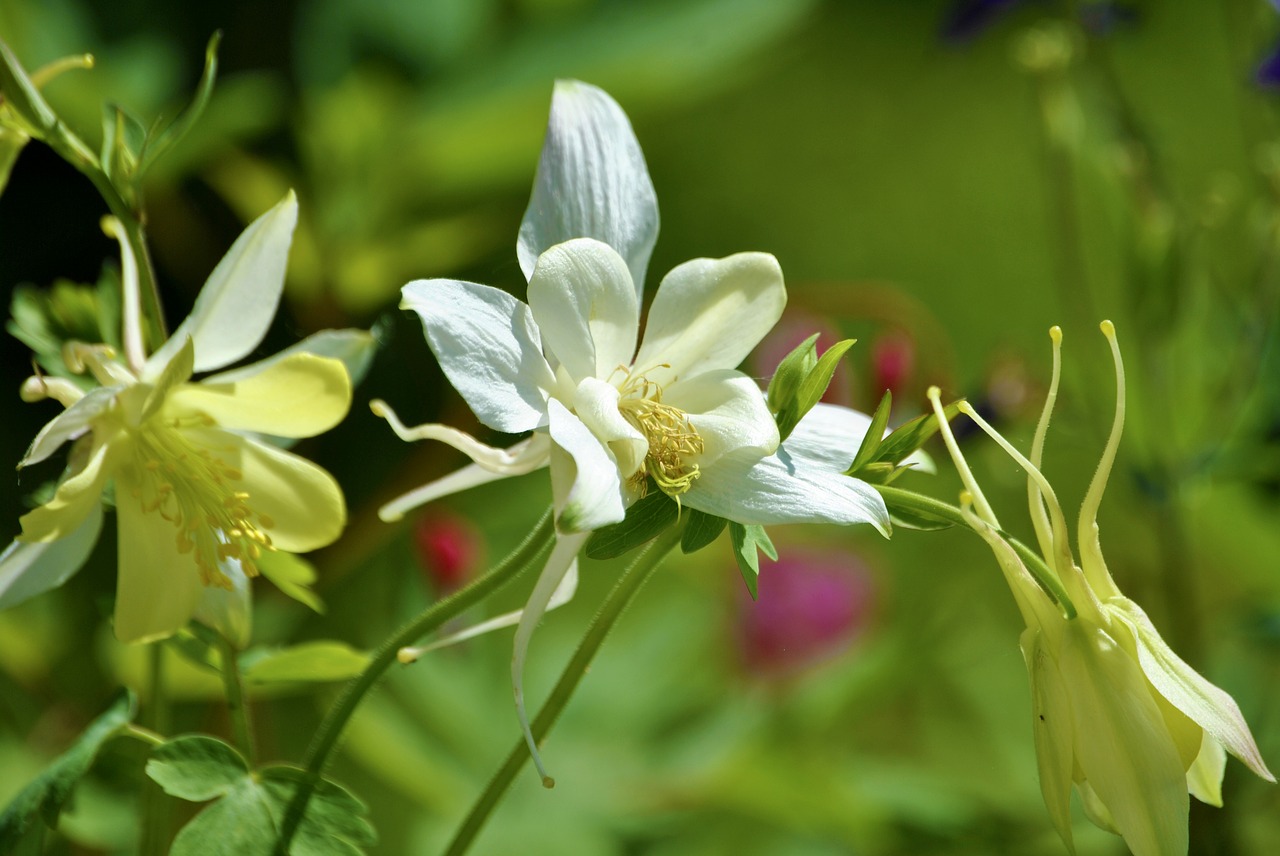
811 606
969 19
1268 74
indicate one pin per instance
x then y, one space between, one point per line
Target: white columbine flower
606 417
1115 711
199 499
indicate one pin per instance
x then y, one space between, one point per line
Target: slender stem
237 706
326 738
156 809
931 507
631 581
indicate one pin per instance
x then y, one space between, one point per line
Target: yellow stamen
671 436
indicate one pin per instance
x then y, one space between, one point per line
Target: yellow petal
1053 729
158 587
74 499
298 396
301 503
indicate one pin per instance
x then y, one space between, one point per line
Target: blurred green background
943 181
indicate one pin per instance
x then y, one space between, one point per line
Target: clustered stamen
672 437
195 490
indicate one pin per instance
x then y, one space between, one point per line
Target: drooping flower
1115 711
199 498
612 420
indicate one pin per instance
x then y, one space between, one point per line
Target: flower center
195 490
671 436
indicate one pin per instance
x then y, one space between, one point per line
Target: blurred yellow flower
1115 711
199 498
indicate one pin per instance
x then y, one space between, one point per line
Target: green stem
930 507
237 707
631 581
530 550
156 809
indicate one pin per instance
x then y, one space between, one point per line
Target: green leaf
912 435
196 767
311 662
291 574
20 93
245 820
160 143
812 387
875 434
748 542
793 369
49 792
645 519
700 529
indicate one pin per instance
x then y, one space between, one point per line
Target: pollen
196 491
673 441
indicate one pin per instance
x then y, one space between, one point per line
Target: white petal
596 404
584 475
728 411
582 298
158 587
27 570
69 424
1053 728
563 557
592 183
239 300
488 346
564 593
708 314
524 457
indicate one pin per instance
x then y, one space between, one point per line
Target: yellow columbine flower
195 490
1115 711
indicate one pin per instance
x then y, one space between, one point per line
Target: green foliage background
908 185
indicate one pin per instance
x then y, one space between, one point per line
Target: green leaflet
700 529
748 542
49 792
800 381
250 805
645 519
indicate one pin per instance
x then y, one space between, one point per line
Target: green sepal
793 369
645 519
749 540
700 529
811 386
907 438
159 143
22 95
47 795
46 319
875 434
914 518
123 138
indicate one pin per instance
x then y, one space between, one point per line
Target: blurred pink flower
893 362
448 548
811 606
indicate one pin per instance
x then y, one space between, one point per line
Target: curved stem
431 618
631 581
931 507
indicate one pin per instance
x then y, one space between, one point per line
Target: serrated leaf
308 662
160 143
645 519
748 542
700 529
335 819
196 767
49 792
875 434
912 435
793 369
